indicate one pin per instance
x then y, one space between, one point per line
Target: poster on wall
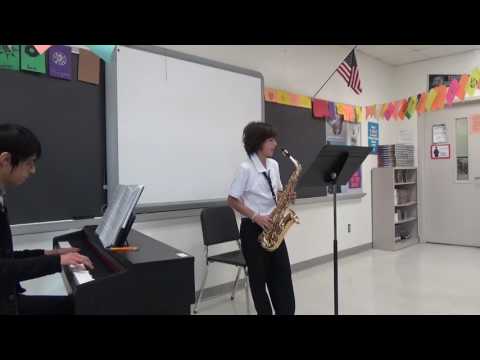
10 57
373 136
335 131
405 136
435 80
339 132
354 139
440 152
336 134
440 135
353 134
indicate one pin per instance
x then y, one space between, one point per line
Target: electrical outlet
349 228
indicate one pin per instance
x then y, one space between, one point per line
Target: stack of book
398 155
386 156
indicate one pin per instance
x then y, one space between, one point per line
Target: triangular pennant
439 102
320 108
332 110
411 108
390 110
348 113
421 102
452 92
432 94
461 86
270 95
103 51
472 83
358 113
384 110
339 108
402 109
305 102
370 111
41 48
283 97
394 115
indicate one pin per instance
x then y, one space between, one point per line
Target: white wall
412 79
298 69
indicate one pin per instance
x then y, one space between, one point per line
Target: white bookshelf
394 208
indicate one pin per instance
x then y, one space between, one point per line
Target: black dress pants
267 270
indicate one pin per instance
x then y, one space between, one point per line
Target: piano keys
154 280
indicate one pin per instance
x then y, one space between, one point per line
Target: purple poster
60 62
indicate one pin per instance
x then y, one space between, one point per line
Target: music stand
333 166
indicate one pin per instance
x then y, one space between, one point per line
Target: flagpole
333 73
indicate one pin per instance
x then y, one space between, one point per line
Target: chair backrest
219 225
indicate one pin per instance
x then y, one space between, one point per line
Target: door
450 195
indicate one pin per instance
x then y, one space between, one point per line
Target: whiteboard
180 126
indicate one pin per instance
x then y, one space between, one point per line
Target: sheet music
135 196
117 215
110 212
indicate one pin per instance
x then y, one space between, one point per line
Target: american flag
349 71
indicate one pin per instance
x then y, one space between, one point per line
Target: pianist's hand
75 259
61 251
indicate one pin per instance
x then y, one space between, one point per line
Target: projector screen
180 125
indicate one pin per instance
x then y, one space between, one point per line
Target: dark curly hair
254 134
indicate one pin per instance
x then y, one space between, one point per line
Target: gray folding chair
219 226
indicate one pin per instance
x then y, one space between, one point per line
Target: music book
118 214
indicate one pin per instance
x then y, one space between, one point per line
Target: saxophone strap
270 185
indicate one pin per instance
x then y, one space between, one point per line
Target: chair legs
235 283
247 289
199 298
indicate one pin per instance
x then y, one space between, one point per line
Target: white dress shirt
251 187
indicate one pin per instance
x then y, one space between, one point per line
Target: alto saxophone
282 217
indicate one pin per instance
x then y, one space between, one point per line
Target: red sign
440 152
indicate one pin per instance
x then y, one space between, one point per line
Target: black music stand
333 166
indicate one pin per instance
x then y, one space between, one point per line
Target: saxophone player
253 194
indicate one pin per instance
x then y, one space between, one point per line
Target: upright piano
156 279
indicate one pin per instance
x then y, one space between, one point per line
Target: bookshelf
394 207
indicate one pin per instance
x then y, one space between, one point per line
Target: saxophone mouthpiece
285 153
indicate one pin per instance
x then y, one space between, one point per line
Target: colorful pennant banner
433 100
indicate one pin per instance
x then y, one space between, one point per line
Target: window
461 148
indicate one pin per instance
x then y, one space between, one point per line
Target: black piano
155 280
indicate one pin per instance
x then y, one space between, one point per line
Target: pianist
19 150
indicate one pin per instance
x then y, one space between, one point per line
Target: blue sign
373 136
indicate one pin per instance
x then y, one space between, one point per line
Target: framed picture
440 152
435 80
